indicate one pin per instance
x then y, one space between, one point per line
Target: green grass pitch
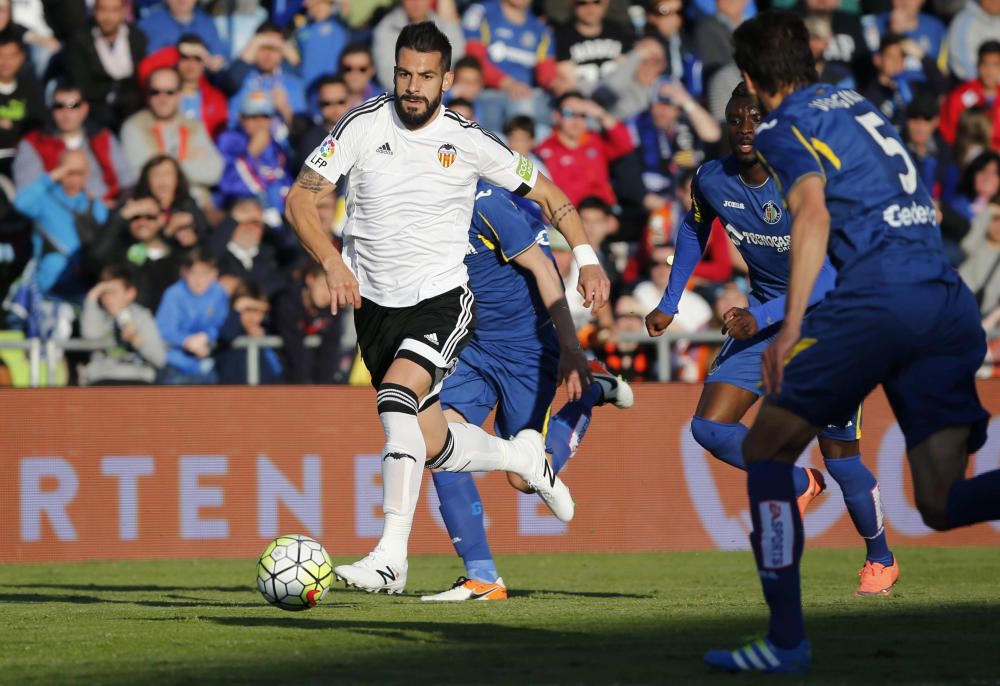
573 619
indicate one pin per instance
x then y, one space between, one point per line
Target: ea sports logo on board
447 155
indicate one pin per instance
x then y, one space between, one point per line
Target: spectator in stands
7 25
199 99
21 106
358 70
518 58
468 84
925 30
930 152
163 179
190 316
332 99
694 312
847 46
630 360
163 130
110 312
671 136
978 23
979 187
239 247
305 311
577 157
820 34
893 86
982 91
259 72
588 47
981 269
631 86
713 35
133 235
164 26
246 317
255 163
103 58
463 108
601 225
665 23
65 218
974 136
320 41
39 150
445 17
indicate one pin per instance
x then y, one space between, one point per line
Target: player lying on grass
738 191
898 316
524 346
413 168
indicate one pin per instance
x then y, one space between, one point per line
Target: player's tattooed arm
313 181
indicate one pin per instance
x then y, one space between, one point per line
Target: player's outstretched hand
343 287
657 322
574 369
594 286
772 362
739 323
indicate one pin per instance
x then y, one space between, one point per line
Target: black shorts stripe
369 107
462 325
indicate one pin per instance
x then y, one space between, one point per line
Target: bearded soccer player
898 316
413 172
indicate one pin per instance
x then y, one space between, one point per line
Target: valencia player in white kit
413 169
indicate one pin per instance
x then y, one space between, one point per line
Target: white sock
403 460
470 449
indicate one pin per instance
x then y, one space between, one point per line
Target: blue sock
566 429
725 441
864 504
974 500
777 541
462 511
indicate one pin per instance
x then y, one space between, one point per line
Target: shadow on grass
94 600
555 594
131 588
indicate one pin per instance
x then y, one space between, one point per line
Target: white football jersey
410 196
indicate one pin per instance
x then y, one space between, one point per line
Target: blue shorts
518 377
923 342
738 364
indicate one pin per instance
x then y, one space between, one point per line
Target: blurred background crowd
146 148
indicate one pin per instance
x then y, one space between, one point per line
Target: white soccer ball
294 572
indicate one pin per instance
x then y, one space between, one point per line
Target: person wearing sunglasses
40 150
161 129
357 68
332 102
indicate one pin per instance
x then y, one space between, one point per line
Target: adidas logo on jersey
384 149
432 337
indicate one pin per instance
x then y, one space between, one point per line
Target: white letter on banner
367 496
128 470
273 486
34 501
193 497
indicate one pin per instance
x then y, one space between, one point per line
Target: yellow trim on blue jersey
545 424
942 60
857 423
802 345
824 150
543 47
805 144
769 168
696 208
499 246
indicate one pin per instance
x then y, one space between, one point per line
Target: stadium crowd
146 149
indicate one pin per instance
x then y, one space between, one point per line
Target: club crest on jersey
447 154
772 213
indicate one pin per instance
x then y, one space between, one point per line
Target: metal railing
37 349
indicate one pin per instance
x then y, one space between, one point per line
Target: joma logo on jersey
732 203
447 154
772 213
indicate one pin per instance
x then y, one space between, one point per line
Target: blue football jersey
508 304
883 227
757 224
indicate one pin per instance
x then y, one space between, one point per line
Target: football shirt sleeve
507 226
787 153
338 152
503 167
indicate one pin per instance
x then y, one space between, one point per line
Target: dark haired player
898 316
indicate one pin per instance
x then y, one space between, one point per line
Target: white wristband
585 256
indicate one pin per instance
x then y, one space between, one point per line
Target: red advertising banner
133 473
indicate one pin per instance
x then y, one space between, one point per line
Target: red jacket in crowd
214 107
50 148
583 170
969 94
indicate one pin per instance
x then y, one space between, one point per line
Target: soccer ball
294 572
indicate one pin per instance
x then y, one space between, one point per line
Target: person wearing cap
161 129
255 164
199 98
